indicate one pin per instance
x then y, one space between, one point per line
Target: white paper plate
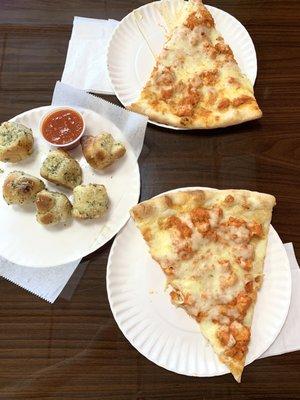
24 241
130 60
165 334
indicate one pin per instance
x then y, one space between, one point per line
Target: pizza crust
218 120
193 198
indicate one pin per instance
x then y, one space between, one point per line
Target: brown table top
74 349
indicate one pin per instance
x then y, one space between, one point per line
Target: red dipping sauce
62 126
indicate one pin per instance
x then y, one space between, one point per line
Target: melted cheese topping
212 250
196 75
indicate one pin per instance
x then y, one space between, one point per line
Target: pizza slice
196 82
211 246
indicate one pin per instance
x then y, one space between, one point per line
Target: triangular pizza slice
211 246
196 82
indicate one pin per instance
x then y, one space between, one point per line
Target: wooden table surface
73 348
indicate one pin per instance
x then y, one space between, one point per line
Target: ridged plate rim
116 65
263 337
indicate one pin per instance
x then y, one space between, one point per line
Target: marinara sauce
62 126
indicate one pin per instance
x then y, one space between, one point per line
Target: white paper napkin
288 339
48 283
85 66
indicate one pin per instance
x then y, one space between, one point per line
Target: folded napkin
85 66
49 283
288 339
46 283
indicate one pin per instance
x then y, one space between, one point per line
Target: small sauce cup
62 127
